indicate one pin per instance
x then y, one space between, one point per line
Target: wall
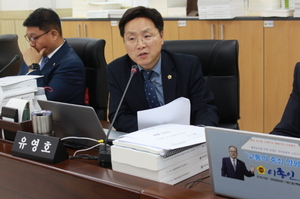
14 12
6 5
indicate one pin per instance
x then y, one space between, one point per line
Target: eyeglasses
232 151
132 40
33 39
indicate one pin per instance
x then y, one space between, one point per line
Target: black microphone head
17 57
134 68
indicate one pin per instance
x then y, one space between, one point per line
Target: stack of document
167 153
125 3
105 10
283 12
220 9
117 13
20 87
297 8
79 8
256 7
167 8
103 5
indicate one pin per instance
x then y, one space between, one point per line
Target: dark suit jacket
64 73
187 81
290 121
239 173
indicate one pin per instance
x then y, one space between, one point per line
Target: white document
12 86
175 112
4 81
164 137
19 104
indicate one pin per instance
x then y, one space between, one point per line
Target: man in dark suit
290 121
235 168
173 76
63 73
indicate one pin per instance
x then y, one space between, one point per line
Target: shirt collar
51 54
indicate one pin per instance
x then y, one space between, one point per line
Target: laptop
276 160
77 120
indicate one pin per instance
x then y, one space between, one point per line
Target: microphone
16 58
104 156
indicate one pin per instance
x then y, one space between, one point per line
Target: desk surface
22 178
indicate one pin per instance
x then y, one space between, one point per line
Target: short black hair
141 11
45 19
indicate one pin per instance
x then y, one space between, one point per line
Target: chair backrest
8 49
219 60
91 51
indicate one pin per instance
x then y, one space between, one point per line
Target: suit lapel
169 78
56 57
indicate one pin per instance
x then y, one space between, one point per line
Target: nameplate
37 147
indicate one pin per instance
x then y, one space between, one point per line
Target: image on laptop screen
253 165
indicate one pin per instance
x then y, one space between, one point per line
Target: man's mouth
142 54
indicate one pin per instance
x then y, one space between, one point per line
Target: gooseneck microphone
104 156
16 58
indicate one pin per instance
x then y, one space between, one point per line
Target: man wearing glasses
51 56
162 76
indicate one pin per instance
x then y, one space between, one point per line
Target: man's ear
162 37
54 34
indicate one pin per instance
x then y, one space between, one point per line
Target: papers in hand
175 112
164 138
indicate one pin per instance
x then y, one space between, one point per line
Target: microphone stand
104 156
16 57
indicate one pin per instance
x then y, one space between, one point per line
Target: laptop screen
253 165
76 120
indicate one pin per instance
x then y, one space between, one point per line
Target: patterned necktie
150 90
234 164
44 61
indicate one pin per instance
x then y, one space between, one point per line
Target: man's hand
252 169
31 55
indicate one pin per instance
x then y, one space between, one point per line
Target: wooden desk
22 178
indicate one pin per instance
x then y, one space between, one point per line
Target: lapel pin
169 76
53 64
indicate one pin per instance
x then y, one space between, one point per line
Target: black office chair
91 51
8 49
219 60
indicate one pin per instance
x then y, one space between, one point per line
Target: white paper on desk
8 80
175 112
165 136
19 104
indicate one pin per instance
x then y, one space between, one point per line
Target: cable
87 149
84 156
82 138
193 183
